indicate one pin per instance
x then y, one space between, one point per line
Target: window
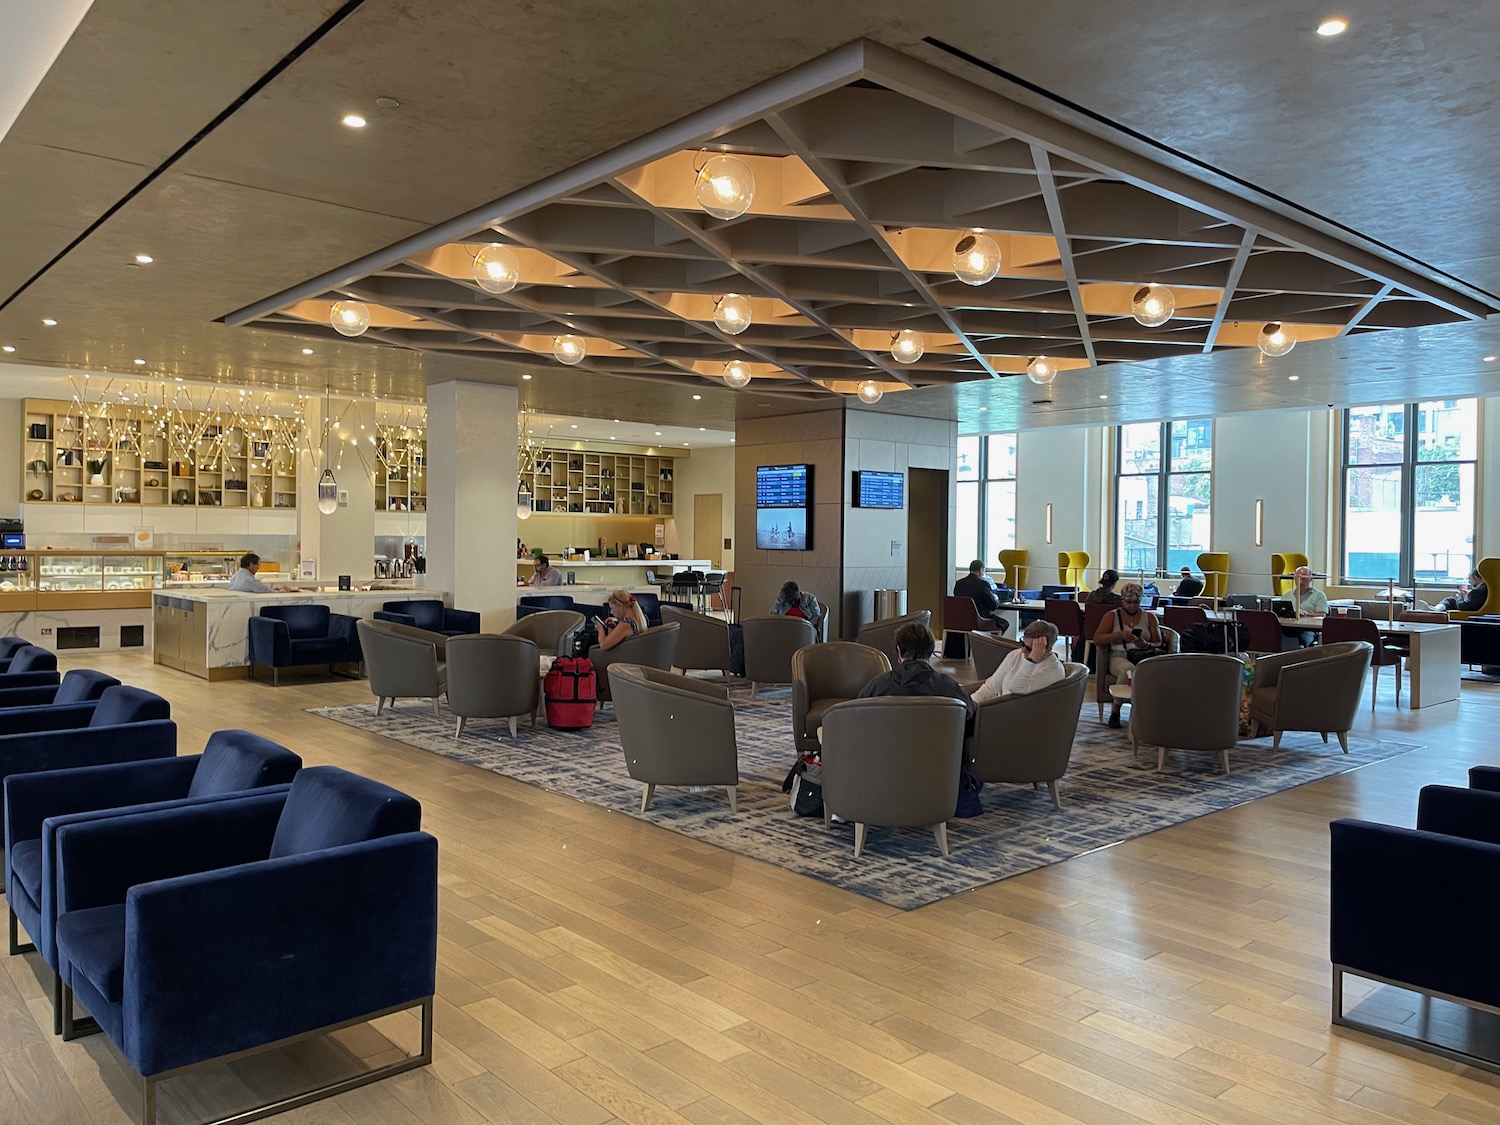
986 498
1409 473
1164 489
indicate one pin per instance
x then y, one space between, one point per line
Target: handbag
969 787
1136 655
805 783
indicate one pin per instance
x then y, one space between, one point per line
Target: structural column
342 542
471 497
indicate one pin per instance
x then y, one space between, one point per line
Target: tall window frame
986 497
1163 467
1407 492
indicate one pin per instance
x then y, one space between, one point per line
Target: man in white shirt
1309 602
1029 668
244 580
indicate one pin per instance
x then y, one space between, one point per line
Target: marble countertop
195 594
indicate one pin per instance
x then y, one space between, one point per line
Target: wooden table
1432 661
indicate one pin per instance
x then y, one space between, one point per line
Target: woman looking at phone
625 620
1127 628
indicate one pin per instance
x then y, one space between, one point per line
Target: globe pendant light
870 391
1153 305
1277 338
737 374
349 318
523 504
1040 372
732 313
497 269
569 350
908 346
328 493
725 187
976 259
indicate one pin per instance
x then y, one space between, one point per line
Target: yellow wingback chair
1071 566
1215 568
1015 565
1285 563
1489 570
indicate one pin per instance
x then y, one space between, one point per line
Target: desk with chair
1432 660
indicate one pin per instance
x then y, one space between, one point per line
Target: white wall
10 459
1067 468
706 472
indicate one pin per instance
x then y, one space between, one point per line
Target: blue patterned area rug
1107 797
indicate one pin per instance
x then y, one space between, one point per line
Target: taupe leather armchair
988 651
1102 678
1311 689
1021 738
1187 701
893 761
493 676
882 634
401 666
552 630
769 644
655 647
395 628
702 644
675 730
825 674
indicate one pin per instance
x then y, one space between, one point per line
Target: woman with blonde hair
625 620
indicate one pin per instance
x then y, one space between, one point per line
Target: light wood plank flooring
594 969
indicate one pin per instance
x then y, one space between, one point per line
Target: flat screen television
879 490
13 541
783 508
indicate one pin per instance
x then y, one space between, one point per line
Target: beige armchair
1102 679
1311 689
769 644
882 634
1020 738
988 651
655 647
675 730
702 644
401 666
893 761
825 674
551 630
439 641
493 676
1187 701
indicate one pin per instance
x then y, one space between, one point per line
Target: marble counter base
40 627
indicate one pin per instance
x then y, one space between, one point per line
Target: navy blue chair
38 804
9 644
536 603
430 614
293 636
29 666
81 685
214 930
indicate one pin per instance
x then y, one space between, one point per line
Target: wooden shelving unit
586 482
401 478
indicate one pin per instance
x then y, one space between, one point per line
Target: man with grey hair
1029 668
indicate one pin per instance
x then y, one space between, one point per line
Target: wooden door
708 527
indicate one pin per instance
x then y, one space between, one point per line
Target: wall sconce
1260 523
1049 523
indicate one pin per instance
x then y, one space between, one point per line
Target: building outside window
1164 490
986 490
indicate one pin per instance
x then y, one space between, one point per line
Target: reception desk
206 633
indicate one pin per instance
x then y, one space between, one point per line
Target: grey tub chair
769 644
401 666
1021 738
987 650
1171 642
655 647
675 730
1311 689
882 634
552 630
826 674
702 643
893 761
1187 701
493 676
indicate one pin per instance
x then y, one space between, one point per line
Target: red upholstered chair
1182 617
1093 614
1265 630
1337 629
1067 615
960 615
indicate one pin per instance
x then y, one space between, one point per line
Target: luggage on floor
570 691
736 635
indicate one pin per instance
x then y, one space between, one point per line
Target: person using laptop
980 589
1308 601
543 573
1189 586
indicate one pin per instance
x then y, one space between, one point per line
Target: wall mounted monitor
879 490
13 541
783 507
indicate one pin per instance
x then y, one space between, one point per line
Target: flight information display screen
878 490
783 514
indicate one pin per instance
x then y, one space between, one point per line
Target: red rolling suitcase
571 692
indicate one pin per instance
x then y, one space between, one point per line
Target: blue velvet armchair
29 666
1414 908
430 614
292 636
80 685
9 644
536 603
37 805
210 930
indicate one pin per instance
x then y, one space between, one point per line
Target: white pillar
471 497
344 541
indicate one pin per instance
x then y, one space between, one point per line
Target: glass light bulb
523 505
737 374
1153 305
1277 338
349 318
328 493
732 313
908 346
1040 372
976 259
870 391
569 349
497 269
725 187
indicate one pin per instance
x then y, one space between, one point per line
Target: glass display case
17 572
83 573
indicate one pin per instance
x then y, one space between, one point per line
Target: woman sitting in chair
1127 628
625 620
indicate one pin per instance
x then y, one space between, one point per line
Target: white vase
97 478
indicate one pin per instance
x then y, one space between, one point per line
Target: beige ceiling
1386 132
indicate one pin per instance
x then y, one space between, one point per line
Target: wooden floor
594 969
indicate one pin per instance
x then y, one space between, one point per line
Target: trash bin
889 603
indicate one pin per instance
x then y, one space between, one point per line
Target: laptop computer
1283 607
1243 601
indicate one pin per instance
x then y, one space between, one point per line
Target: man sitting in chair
916 675
1029 668
980 589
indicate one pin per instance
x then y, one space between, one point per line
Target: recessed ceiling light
140 363
685 443
1293 378
7 348
984 410
1489 359
179 378
617 421
1335 25
307 351
49 322
526 376
703 429
354 121
1103 397
574 425
144 259
658 433
612 437
697 398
